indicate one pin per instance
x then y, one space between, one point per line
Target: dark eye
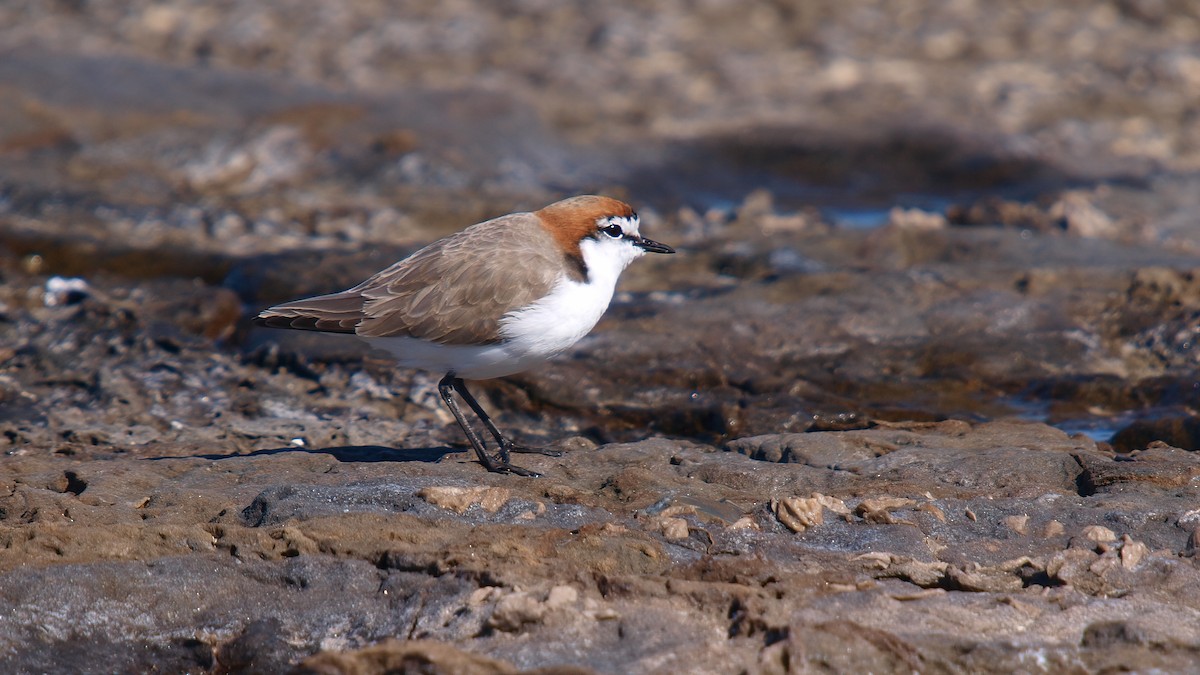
613 231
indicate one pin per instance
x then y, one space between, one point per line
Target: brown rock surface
921 250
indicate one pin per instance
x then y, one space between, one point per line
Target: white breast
531 334
557 321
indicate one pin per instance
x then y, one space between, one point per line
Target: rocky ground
916 394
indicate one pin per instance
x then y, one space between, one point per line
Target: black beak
651 246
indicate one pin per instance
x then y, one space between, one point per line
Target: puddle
857 219
1100 428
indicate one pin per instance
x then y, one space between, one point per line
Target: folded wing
454 291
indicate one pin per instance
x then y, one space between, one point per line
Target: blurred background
346 121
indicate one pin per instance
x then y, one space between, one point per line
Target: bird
497 298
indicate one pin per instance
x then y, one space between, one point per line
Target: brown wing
453 291
334 313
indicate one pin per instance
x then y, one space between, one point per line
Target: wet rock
1110 633
817 449
1159 466
996 211
401 656
260 647
220 614
896 453
840 645
1073 212
1174 432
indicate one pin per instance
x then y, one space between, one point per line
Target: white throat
544 329
551 325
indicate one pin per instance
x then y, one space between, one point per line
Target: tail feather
335 313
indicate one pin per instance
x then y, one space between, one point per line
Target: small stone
916 219
798 513
933 510
61 291
878 509
923 574
1099 534
674 528
1053 529
1190 517
460 499
1023 562
757 204
983 580
678 510
33 264
922 594
606 614
561 596
877 559
1132 552
1071 566
482 595
1017 524
744 523
513 612
834 504
883 504
773 223
1192 548
1079 216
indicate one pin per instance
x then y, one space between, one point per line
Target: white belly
532 335
470 362
557 321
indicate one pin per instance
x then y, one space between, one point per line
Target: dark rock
1175 432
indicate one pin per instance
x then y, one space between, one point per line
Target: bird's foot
509 446
500 464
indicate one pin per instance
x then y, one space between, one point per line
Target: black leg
499 463
506 446
446 389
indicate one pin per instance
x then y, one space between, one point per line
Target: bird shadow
345 453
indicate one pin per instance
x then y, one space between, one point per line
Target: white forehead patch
629 224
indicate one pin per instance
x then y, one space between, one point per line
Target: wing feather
454 291
334 313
